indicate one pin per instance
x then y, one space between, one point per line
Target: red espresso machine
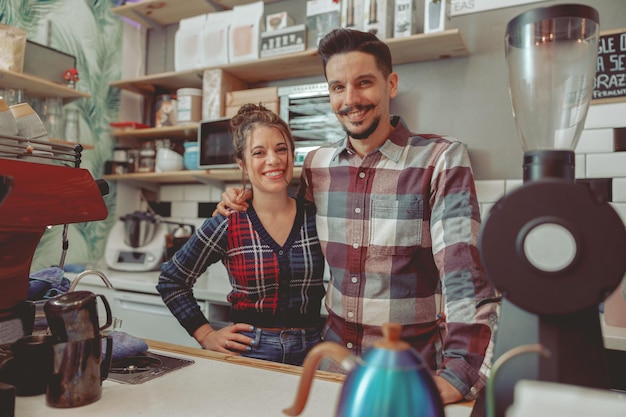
33 196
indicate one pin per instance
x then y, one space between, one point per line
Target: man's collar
391 148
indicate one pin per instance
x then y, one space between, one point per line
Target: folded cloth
47 283
125 345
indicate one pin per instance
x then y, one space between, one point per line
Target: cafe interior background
465 97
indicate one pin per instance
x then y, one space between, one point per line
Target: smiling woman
272 254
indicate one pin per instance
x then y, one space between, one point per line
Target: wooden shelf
158 13
38 87
185 131
416 48
186 177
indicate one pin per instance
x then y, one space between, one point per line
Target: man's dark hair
340 41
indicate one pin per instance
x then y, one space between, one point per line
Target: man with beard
398 220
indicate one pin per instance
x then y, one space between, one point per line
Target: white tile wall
619 190
596 140
606 115
606 165
489 191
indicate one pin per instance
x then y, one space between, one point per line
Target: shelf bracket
144 185
150 22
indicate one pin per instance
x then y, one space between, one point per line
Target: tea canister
189 105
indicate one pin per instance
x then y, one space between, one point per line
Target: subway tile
184 209
205 210
196 192
605 165
620 139
581 166
606 115
510 185
171 193
163 208
595 141
620 208
619 190
489 191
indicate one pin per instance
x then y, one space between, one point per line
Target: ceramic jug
391 380
73 316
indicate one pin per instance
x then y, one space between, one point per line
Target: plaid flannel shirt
399 229
273 285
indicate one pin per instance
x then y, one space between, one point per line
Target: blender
552 247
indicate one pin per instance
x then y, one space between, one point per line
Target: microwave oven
215 144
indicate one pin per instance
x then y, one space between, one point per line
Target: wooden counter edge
255 363
240 360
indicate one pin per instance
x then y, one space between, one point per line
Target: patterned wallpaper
88 30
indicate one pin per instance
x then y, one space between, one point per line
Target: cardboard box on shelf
215 84
322 16
408 18
12 46
188 48
283 41
435 15
378 18
267 96
352 14
244 32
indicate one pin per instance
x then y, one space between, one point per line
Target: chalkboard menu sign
610 82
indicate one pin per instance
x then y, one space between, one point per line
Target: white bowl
168 160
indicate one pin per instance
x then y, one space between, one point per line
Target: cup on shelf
191 155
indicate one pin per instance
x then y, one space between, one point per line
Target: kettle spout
333 350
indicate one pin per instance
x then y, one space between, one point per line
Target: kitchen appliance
390 380
215 144
139 240
552 247
138 249
42 195
145 367
306 108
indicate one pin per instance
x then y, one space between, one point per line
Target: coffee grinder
552 247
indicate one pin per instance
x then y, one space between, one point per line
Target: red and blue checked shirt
272 285
399 229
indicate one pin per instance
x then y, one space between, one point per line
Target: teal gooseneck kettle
391 380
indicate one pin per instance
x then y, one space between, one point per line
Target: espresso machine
552 247
39 195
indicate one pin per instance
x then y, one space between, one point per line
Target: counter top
215 385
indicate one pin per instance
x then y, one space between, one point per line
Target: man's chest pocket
395 224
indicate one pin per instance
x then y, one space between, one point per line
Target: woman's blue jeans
288 346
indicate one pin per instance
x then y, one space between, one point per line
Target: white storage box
244 32
435 15
322 16
215 38
378 18
188 44
407 19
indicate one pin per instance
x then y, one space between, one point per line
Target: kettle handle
325 349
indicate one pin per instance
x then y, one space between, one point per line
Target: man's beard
367 132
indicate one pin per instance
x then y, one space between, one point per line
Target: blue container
190 156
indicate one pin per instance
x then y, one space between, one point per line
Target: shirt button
349 345
354 280
361 174
355 245
280 252
473 390
350 314
357 210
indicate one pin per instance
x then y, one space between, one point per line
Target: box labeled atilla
48 63
283 41
266 96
